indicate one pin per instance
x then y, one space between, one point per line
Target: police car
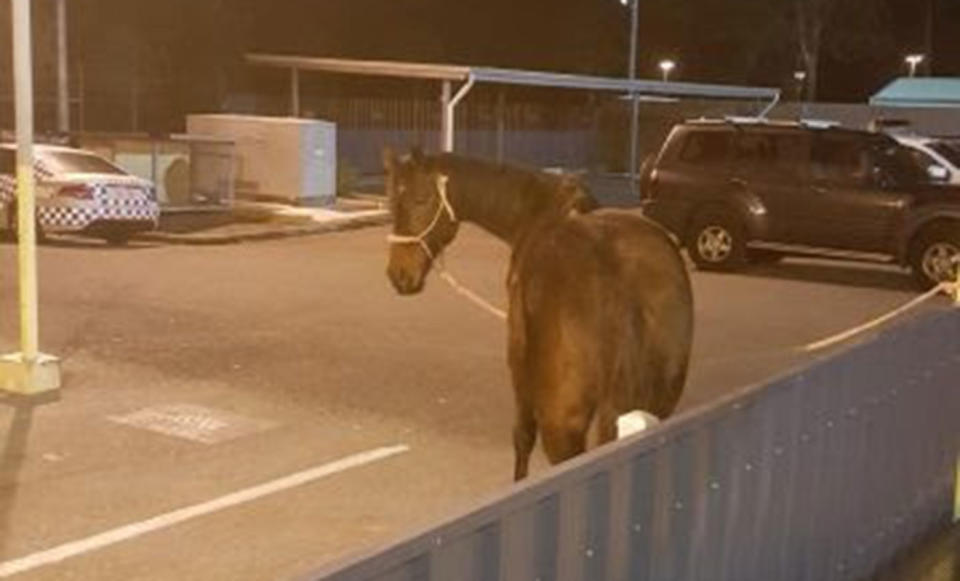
79 192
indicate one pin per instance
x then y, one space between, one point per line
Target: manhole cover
193 422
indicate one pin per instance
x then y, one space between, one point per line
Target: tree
848 31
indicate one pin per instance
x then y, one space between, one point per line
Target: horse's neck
503 211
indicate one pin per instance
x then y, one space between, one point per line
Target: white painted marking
127 532
193 422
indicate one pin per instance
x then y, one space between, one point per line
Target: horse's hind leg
606 424
565 437
524 438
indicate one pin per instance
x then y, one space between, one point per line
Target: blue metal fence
824 474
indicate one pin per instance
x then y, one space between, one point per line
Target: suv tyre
716 242
935 255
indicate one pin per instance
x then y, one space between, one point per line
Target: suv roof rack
745 120
819 123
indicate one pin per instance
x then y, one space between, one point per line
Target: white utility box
277 158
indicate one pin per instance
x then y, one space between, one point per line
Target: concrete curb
268 231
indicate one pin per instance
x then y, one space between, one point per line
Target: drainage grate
193 422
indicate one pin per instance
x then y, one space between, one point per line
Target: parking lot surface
254 411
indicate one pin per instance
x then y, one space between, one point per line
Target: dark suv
739 191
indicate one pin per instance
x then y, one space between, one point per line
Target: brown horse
600 316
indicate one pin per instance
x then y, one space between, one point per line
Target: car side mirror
938 173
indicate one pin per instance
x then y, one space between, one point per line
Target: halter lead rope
421 239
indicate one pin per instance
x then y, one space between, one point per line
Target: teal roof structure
920 92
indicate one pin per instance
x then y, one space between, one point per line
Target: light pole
63 91
912 61
634 104
666 66
801 78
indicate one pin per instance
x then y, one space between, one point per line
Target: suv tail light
78 192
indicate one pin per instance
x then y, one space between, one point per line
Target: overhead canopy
510 77
468 76
920 92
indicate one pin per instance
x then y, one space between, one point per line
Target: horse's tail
650 369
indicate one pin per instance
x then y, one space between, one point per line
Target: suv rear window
706 147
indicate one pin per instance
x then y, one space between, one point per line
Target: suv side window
772 152
706 147
8 162
792 152
899 165
841 158
754 149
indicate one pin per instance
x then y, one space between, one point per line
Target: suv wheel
716 241
935 257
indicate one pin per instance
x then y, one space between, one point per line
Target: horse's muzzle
408 268
405 283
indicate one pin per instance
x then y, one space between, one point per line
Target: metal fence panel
189 172
821 475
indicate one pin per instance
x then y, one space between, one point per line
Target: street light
912 61
666 66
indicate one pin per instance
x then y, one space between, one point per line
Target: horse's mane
560 192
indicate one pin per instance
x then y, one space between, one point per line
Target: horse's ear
389 159
579 197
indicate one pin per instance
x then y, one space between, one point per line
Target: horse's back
609 290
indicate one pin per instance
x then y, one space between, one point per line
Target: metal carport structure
468 76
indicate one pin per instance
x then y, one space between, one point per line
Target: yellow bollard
956 283
28 372
956 498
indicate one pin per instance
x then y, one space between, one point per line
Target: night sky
191 50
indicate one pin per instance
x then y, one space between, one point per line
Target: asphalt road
281 357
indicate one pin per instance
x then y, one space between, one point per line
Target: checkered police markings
70 217
166 520
8 189
193 422
113 203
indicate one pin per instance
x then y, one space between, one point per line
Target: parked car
939 156
736 191
79 192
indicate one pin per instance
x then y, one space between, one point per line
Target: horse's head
424 222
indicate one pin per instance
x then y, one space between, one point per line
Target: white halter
443 206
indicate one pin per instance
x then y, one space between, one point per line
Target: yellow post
27 248
956 283
956 500
29 371
956 497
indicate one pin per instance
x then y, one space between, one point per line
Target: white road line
74 548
